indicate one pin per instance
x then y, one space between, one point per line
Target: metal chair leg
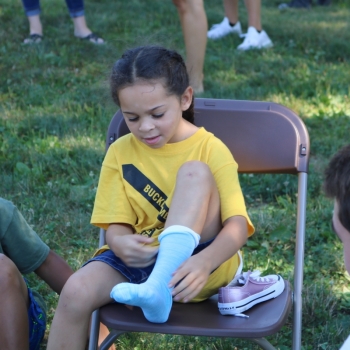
263 343
94 330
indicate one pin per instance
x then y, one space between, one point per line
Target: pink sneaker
248 290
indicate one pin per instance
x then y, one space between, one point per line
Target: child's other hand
135 250
193 274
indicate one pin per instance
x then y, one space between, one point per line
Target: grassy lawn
55 108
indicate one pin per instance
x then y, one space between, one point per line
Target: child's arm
54 271
133 249
195 271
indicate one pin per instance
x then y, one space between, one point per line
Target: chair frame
274 113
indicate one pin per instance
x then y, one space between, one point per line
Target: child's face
153 116
343 234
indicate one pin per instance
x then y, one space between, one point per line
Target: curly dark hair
151 63
337 183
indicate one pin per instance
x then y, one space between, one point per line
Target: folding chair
263 137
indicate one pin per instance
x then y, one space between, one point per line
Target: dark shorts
134 275
37 322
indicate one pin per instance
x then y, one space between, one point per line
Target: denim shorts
37 322
134 275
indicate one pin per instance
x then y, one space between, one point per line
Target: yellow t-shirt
137 183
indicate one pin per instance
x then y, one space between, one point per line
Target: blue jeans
75 7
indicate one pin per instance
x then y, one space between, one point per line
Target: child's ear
186 99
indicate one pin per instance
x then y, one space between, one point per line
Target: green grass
55 108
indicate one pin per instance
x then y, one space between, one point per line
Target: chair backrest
263 137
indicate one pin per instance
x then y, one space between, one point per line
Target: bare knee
10 275
195 173
75 297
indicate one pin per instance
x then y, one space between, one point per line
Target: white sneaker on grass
255 40
224 28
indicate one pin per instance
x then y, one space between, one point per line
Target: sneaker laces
254 275
261 279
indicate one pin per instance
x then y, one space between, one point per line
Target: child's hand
134 250
193 274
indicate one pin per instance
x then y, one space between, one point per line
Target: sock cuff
182 230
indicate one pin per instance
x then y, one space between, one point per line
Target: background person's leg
75 8
231 10
81 30
194 26
254 13
35 26
31 8
256 38
32 11
14 329
230 23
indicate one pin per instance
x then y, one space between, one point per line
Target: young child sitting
169 198
337 186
